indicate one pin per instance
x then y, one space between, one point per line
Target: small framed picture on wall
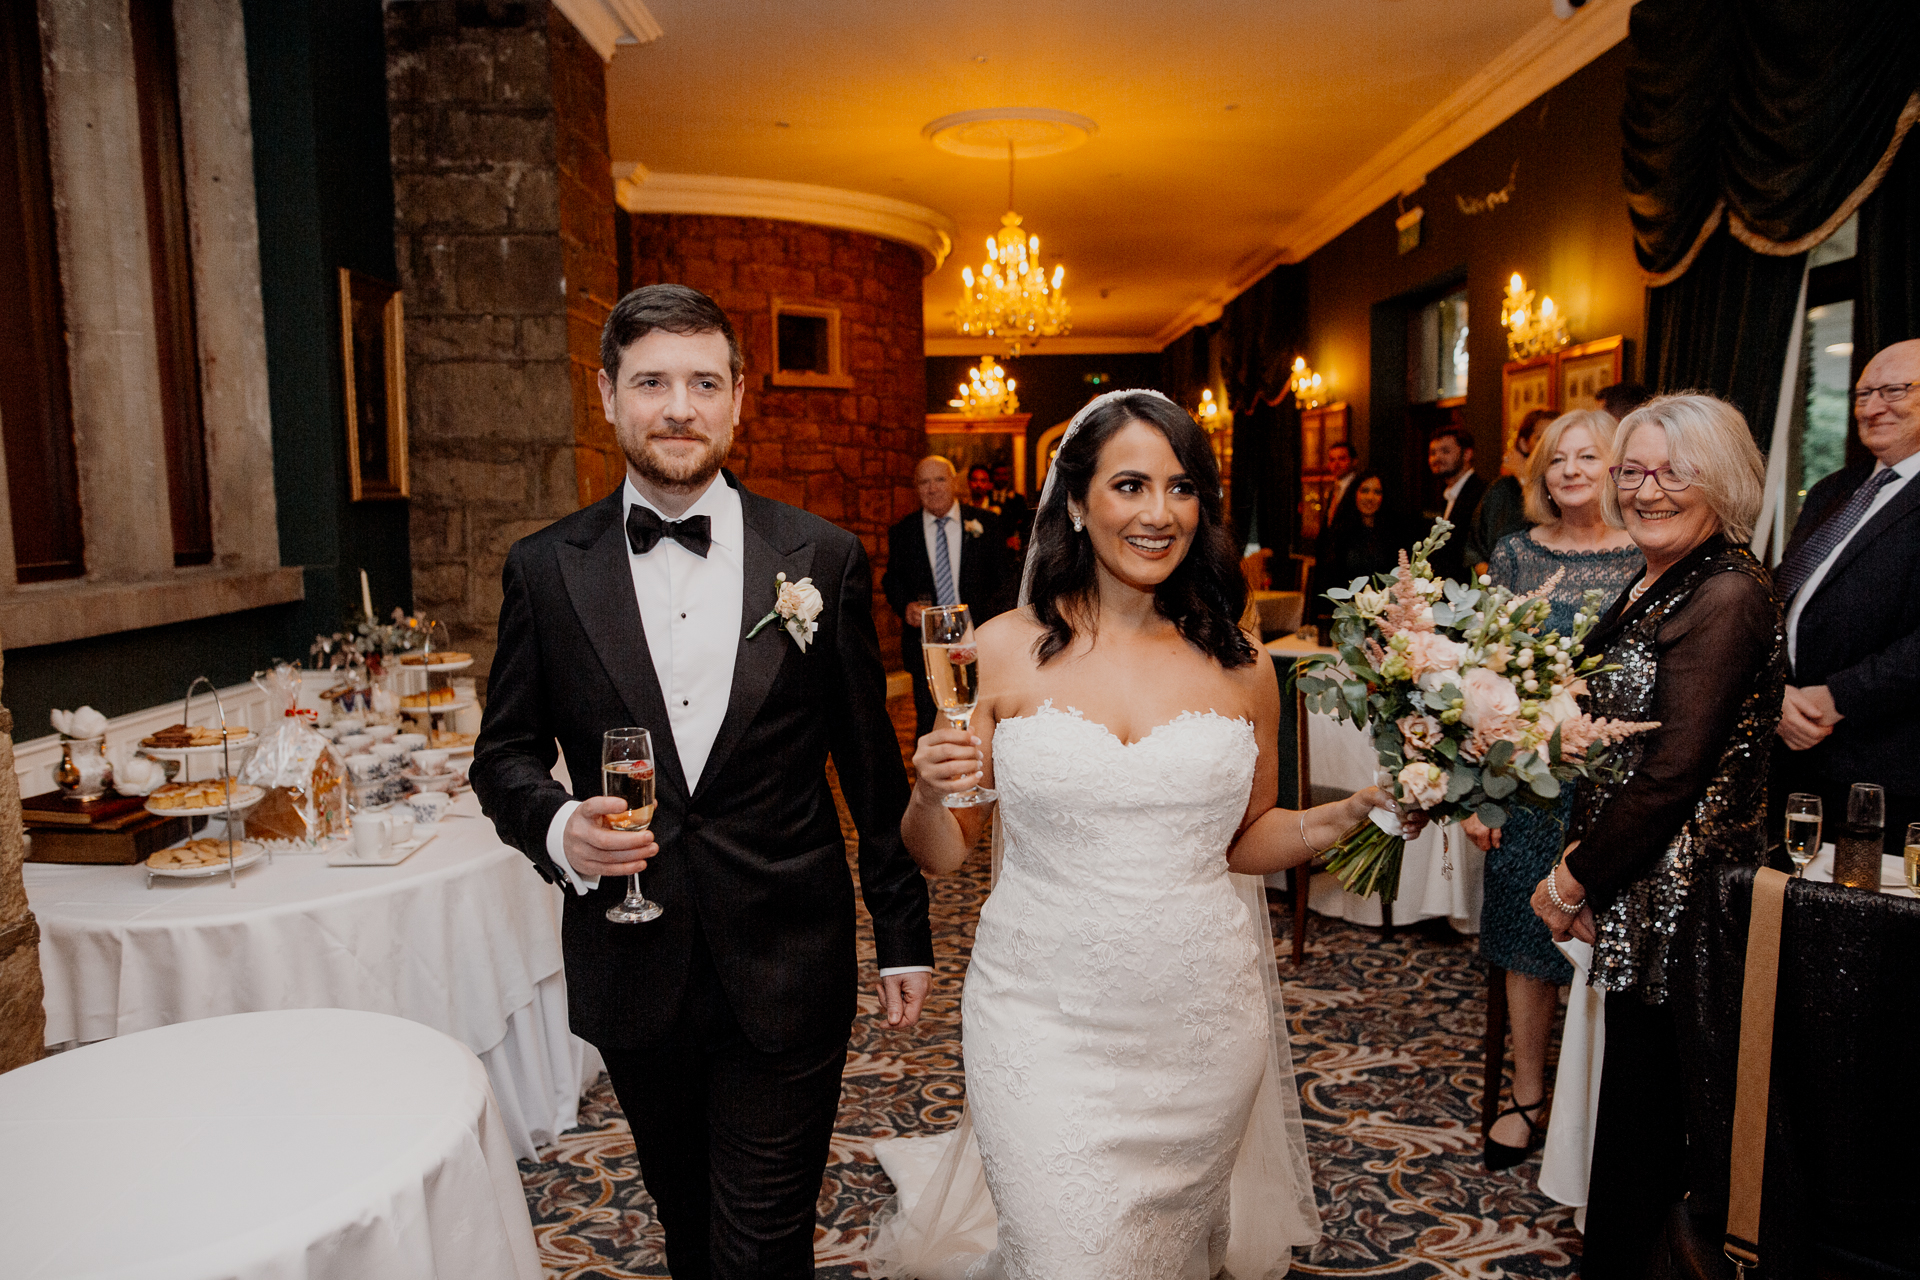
1584 371
1525 385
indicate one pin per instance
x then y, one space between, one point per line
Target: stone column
498 116
23 1019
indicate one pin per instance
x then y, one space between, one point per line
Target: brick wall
498 118
846 456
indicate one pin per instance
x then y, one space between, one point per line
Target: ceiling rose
985 133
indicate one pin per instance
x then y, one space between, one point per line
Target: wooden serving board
127 843
105 814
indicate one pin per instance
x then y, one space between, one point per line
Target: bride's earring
1077 525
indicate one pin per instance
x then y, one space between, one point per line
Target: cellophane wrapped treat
302 773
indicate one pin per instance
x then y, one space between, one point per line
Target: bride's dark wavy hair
1205 594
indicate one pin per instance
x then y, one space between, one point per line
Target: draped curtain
1752 130
1261 332
1888 308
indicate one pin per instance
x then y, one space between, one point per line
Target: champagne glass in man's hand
626 773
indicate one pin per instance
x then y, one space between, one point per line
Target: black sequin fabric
1636 926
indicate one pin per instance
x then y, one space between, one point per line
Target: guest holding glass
1696 645
1563 482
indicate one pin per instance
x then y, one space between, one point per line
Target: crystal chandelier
1305 384
1011 298
1529 332
987 392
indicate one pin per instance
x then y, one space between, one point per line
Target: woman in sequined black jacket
1699 648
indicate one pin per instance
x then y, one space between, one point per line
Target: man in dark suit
724 1022
1450 458
944 553
1850 580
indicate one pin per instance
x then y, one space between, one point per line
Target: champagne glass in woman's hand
626 773
953 675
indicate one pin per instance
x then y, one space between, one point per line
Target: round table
462 937
297 1145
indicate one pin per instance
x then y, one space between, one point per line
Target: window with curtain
1822 421
36 411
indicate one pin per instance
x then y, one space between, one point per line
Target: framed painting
1583 372
1525 385
373 354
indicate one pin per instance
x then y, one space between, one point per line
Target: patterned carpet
1386 1039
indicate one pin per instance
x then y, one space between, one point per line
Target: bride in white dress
1130 1095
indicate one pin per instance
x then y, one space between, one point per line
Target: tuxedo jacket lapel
1901 504
599 582
771 548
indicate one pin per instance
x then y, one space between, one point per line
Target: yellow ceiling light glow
1530 332
987 392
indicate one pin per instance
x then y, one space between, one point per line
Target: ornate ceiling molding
1548 53
1067 346
606 24
639 191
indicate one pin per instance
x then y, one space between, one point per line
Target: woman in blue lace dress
1570 536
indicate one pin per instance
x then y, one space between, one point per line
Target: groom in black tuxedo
724 1023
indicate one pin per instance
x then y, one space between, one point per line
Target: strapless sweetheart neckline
1074 713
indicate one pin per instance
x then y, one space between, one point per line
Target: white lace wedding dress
1129 1102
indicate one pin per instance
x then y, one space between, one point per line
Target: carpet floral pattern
1386 1037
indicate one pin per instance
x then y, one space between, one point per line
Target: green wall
324 193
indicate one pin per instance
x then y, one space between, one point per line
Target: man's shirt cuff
557 845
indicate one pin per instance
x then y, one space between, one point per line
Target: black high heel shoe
1498 1155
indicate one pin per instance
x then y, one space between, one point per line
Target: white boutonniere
795 608
974 528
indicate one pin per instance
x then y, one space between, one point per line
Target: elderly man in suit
944 553
1850 580
724 1022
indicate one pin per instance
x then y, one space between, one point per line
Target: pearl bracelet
1553 894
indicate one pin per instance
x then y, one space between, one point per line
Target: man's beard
677 473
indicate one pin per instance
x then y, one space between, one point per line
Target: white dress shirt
1903 474
930 529
1452 491
690 610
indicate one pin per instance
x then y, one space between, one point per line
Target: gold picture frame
1582 372
373 358
1525 385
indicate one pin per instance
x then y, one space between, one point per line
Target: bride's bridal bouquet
1471 706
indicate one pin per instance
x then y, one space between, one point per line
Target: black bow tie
645 529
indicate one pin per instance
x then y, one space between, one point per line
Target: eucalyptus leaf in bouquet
1471 707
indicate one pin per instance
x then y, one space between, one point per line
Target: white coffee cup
399 824
382 732
351 743
392 755
349 724
363 766
428 807
372 838
432 761
410 741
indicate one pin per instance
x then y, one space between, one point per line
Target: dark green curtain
1185 364
1723 328
1261 332
1778 109
1888 309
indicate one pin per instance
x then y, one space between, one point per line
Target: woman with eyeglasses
1696 645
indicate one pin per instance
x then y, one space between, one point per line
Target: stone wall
504 274
23 1019
846 456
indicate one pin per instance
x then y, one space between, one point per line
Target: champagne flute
626 772
1913 858
1803 830
953 674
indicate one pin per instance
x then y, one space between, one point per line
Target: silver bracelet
1553 894
1300 816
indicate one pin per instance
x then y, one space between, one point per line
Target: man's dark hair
1460 436
673 307
1622 398
1341 444
980 466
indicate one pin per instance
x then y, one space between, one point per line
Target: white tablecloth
316 1144
1576 1083
462 937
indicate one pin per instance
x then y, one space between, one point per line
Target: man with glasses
1850 583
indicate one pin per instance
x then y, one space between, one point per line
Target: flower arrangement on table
1471 707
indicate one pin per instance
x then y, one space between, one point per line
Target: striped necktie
1797 568
943 592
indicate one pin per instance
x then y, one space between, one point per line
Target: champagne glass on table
1856 854
1913 858
953 675
1803 830
626 773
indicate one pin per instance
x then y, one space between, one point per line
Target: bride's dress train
1129 1102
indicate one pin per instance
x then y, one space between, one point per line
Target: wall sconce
1305 385
1208 414
1529 332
